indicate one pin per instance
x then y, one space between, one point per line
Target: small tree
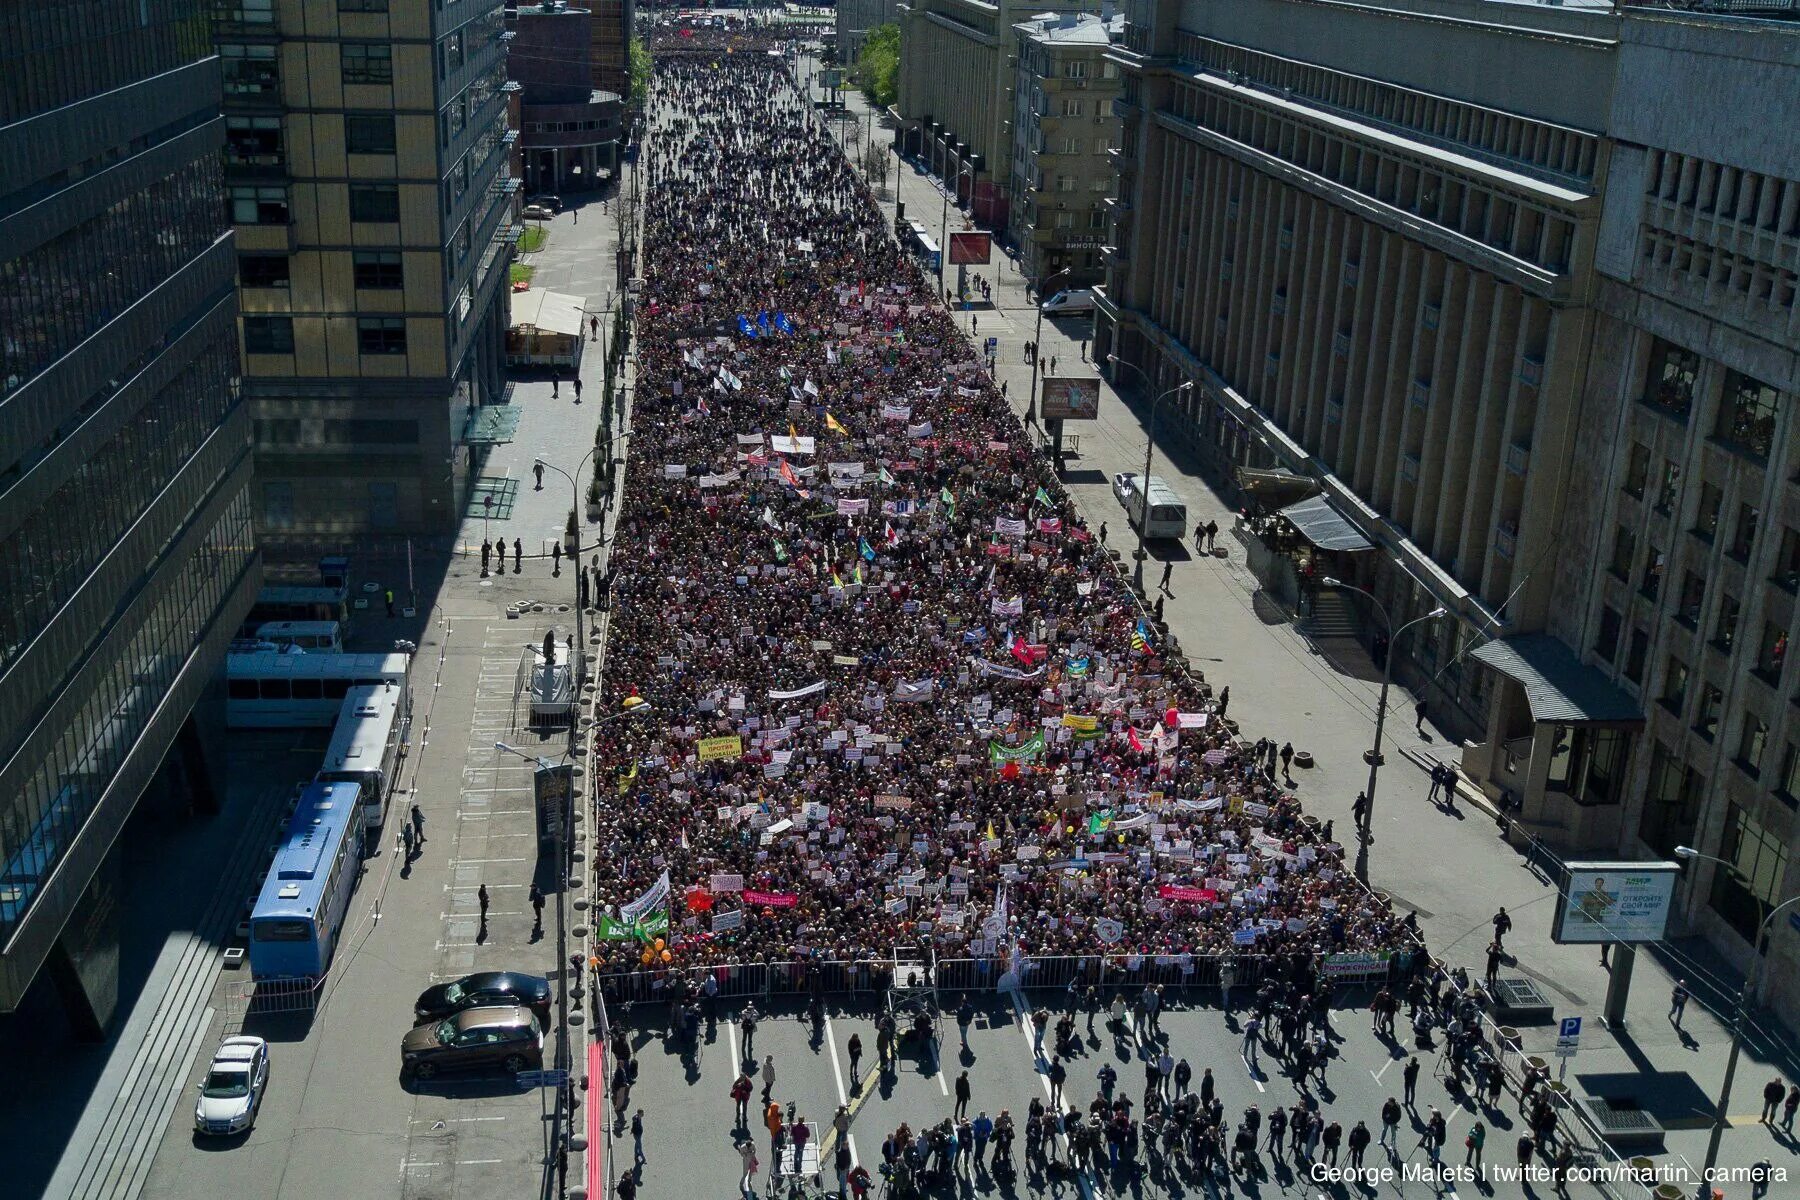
875 163
640 66
878 65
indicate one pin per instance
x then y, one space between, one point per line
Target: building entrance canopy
1559 687
1324 526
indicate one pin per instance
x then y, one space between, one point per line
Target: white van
310 636
1070 300
1167 514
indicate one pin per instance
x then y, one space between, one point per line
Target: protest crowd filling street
900 689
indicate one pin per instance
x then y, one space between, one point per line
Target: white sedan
233 1088
1124 483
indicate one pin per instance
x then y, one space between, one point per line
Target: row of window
56 547
40 821
261 140
1414 184
1748 407
1766 202
1469 127
274 334
56 52
373 270
335 431
56 295
1712 266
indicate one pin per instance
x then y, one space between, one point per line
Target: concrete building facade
1529 331
569 129
366 164
125 448
1679 562
1063 131
955 105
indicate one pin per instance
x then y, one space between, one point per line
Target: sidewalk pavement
1450 866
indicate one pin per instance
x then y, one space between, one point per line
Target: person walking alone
537 910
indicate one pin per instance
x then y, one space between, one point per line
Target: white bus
374 728
1155 506
301 691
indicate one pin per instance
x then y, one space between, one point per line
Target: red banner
772 899
1192 895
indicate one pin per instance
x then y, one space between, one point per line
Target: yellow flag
831 423
793 432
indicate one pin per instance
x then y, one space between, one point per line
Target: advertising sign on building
1614 902
971 248
1068 398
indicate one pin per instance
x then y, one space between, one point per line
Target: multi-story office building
366 161
955 107
124 462
1529 330
1679 557
854 20
569 130
1062 131
609 44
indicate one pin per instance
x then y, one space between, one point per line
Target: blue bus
300 911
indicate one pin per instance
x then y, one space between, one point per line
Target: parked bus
313 637
1167 515
315 603
301 691
300 911
373 730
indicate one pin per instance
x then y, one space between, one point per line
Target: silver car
233 1088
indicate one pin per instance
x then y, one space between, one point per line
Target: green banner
652 926
1000 753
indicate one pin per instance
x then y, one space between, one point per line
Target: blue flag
744 326
783 323
762 318
867 551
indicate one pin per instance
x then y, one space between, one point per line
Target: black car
484 989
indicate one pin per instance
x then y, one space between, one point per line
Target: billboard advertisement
1070 399
971 248
832 79
1614 902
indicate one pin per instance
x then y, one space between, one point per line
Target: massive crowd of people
898 691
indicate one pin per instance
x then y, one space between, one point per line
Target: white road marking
1384 1069
837 1073
1081 1179
465 862
1254 1073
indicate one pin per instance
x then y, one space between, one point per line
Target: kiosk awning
1560 688
1324 526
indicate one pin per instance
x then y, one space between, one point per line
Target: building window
369 134
1671 803
1706 517
1071 107
259 205
365 6
254 141
250 70
381 335
1668 488
1065 220
1071 145
367 62
1635 656
1787 561
1693 594
1725 630
1747 415
1606 645
1752 741
268 335
1097 219
1743 535
1789 787
1706 721
1586 763
1076 70
1637 470
1624 551
1675 684
263 270
1109 70
377 269
1103 183
379 202
1655 563
1743 896
1669 381
1771 652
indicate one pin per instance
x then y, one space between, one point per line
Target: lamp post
564 836
1036 338
578 660
944 230
1140 554
1387 676
1737 1016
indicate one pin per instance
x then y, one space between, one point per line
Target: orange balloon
665 956
659 943
648 957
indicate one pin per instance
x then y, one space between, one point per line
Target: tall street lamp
1140 554
944 231
578 660
1036 340
1737 1016
1387 676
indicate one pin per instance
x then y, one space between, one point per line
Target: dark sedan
484 989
